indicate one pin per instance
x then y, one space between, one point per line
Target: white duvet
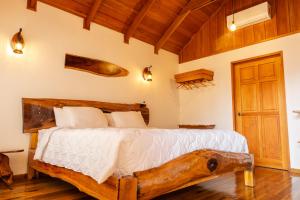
100 153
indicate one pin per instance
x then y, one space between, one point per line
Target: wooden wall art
93 66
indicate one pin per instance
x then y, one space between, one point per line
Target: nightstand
197 126
6 175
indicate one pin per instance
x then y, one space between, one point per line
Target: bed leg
249 175
249 178
128 188
30 173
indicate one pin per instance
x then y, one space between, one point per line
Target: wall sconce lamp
147 74
17 42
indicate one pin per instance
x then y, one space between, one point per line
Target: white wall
49 34
214 104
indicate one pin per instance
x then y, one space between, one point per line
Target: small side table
197 126
6 174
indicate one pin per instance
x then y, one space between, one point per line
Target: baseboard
20 176
295 171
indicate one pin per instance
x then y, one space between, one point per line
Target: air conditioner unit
250 16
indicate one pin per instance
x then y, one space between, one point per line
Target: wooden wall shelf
195 79
197 126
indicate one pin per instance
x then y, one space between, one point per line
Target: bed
183 170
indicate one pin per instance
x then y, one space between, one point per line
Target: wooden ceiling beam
31 4
137 21
91 15
185 11
198 4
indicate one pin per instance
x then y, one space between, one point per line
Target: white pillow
86 117
61 119
109 120
129 119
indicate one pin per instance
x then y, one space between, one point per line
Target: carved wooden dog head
5 172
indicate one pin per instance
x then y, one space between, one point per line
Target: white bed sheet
102 152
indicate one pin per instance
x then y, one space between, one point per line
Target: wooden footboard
191 169
107 190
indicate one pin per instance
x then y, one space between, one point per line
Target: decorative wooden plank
91 15
31 4
137 21
38 113
93 66
188 168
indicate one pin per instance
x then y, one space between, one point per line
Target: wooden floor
270 185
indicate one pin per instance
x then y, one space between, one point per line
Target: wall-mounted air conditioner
250 16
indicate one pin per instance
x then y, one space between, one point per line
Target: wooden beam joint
137 21
186 10
32 4
91 15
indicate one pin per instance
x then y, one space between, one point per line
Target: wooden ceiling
165 24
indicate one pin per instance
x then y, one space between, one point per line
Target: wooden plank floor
270 185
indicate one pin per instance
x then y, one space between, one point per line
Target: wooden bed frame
186 170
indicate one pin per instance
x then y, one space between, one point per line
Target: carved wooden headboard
38 113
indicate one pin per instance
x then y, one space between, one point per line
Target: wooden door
260 109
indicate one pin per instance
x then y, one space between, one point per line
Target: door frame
286 147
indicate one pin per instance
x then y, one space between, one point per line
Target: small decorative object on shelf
198 126
195 79
6 174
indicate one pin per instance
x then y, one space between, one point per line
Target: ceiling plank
31 4
185 11
91 15
138 19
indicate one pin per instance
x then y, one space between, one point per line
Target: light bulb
147 74
149 77
233 27
19 46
